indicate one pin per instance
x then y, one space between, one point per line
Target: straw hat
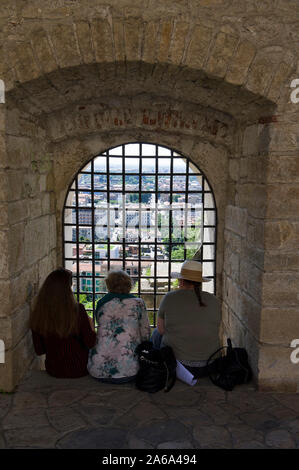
191 271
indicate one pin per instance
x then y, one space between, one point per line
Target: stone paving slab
45 412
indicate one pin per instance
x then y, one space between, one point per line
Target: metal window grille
143 208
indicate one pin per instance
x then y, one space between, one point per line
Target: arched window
143 208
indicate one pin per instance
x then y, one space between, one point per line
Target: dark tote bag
157 368
231 369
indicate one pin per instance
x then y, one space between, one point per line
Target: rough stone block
232 264
284 137
276 371
45 266
279 79
255 233
52 232
26 66
17 185
118 35
166 31
16 247
233 242
232 296
20 150
178 43
251 279
221 54
84 41
132 36
250 314
4 187
238 67
46 205
198 47
4 258
24 287
279 325
3 215
15 327
250 144
65 46
253 198
282 235
43 51
280 289
5 296
17 211
283 169
150 42
283 200
259 75
254 254
2 120
36 239
102 40
281 261
35 208
234 168
236 220
256 169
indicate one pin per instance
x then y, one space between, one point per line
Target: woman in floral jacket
123 324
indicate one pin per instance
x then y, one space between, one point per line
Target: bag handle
169 383
214 353
228 347
241 366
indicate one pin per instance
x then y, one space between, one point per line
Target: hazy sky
148 164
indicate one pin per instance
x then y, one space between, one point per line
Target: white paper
184 375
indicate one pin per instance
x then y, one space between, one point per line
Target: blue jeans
157 339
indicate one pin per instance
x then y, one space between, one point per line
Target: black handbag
157 368
231 369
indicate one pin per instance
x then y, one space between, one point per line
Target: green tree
84 239
177 252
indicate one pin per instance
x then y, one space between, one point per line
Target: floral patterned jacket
123 324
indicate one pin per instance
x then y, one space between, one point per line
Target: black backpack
157 368
230 370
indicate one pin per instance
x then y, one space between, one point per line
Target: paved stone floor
45 412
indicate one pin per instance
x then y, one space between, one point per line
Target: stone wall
244 240
30 230
279 315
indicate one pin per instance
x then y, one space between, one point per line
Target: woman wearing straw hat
189 320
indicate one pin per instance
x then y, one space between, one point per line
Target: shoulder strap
228 347
214 354
169 362
170 379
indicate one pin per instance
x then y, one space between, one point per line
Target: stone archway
77 86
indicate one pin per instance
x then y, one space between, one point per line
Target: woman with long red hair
61 328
